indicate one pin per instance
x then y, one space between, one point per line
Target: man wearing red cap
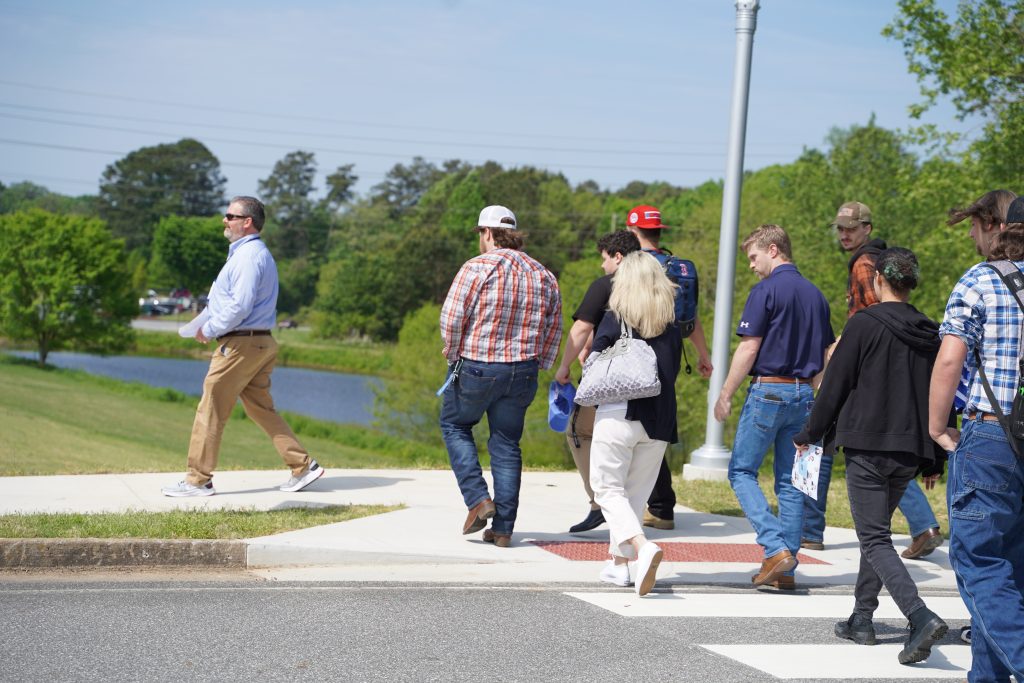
645 222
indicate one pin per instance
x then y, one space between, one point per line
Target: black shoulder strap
1014 281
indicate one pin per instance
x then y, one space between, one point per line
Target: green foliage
366 292
182 179
297 289
405 404
63 281
286 193
977 60
25 195
191 249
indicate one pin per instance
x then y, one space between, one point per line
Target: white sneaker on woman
616 574
647 561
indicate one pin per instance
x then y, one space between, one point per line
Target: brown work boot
657 522
923 544
478 516
773 568
500 540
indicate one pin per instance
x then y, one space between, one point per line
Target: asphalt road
231 627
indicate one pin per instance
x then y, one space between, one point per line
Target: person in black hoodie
630 437
854 229
875 395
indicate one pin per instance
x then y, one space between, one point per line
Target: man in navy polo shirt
785 329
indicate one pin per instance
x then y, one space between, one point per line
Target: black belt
982 417
244 333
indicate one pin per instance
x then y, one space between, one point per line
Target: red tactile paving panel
592 551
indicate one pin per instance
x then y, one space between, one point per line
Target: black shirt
595 301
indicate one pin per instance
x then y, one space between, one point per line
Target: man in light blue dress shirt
242 312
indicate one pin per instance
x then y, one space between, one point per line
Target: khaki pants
240 368
583 422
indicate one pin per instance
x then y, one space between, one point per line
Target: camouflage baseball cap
852 214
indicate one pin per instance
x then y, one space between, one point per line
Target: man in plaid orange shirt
501 321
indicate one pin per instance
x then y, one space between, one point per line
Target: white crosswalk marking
846 661
763 604
838 660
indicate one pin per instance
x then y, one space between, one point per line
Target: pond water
324 395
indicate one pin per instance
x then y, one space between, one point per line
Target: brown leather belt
244 333
984 417
780 380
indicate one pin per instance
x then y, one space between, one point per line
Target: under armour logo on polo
744 324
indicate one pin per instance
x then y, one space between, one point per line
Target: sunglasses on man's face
233 216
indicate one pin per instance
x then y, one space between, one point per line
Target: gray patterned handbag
626 370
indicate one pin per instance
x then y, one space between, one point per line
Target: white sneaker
616 574
312 473
647 562
183 489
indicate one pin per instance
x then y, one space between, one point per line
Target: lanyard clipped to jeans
452 376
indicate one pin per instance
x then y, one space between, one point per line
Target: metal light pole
711 461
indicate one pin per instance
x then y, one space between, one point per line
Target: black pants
876 482
663 499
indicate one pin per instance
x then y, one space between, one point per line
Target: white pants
624 464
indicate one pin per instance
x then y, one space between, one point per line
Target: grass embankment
297 348
181 524
68 422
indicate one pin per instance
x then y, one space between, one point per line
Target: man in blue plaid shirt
985 488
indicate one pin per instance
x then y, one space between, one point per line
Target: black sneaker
965 634
857 628
592 521
926 628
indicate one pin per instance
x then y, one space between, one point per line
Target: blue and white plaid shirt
983 314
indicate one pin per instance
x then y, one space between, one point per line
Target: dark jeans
662 502
875 482
502 391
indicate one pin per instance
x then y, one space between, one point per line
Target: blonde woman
630 437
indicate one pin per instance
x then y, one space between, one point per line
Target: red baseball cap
644 217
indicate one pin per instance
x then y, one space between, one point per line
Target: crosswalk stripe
815 661
846 661
762 604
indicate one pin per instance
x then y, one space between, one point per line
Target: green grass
298 348
181 524
69 422
717 497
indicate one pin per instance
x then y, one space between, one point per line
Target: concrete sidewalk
423 542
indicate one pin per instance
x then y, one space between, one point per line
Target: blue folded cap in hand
560 398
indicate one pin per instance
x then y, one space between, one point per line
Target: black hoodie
875 389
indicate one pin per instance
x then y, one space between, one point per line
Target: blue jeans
985 491
502 391
914 506
772 415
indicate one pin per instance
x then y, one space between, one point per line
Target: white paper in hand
806 468
189 329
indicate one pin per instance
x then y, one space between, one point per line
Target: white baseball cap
497 217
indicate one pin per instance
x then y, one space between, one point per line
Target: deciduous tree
64 282
182 179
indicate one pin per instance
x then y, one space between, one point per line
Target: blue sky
597 90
